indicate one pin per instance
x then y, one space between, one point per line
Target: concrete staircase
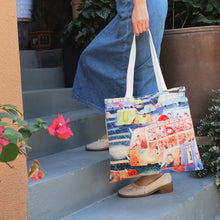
76 181
44 96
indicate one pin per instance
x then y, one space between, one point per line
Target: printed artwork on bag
151 134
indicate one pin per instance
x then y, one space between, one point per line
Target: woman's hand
140 17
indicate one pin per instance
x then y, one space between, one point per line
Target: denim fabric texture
102 67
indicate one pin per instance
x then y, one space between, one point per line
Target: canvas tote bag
150 134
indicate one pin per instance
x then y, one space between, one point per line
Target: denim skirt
102 67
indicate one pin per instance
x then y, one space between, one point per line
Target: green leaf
11 139
12 112
3 123
85 14
217 6
104 13
6 115
187 2
202 19
28 147
209 8
12 132
41 122
45 127
9 153
22 122
25 133
33 127
10 106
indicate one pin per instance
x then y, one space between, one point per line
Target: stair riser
48 102
85 131
33 79
197 208
59 197
50 58
28 59
41 59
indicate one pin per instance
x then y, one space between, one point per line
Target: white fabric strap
131 65
130 71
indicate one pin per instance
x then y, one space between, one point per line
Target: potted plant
93 16
190 53
210 153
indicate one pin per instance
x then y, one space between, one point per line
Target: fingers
140 20
135 29
139 26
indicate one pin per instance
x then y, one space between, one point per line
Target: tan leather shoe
163 184
101 144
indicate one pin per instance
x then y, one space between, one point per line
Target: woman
102 69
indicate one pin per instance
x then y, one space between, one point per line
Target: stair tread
167 206
68 161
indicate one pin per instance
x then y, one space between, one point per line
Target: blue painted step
192 199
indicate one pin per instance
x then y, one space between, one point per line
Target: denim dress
102 67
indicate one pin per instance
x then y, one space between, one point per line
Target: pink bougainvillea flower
34 173
3 141
38 175
60 127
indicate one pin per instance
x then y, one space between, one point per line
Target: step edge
86 113
41 68
29 92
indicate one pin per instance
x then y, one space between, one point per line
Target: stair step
42 78
50 58
41 59
87 125
39 103
28 59
192 198
74 179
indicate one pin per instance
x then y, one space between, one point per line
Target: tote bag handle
130 72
